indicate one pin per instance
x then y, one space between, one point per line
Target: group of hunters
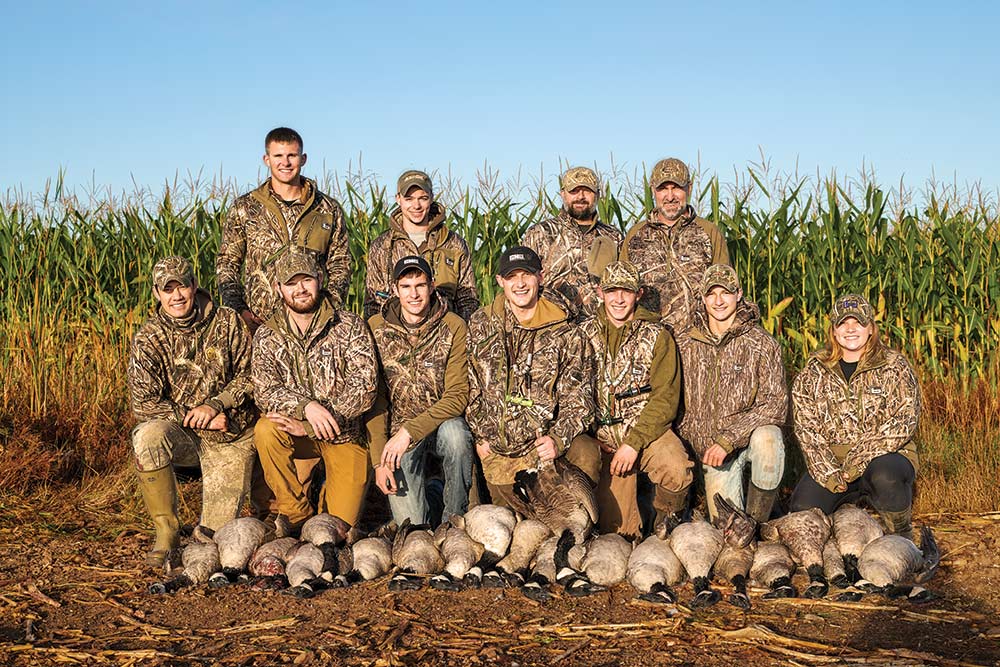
635 357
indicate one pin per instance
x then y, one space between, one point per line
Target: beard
302 308
585 214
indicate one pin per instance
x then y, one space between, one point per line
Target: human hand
623 461
324 425
385 480
218 423
393 451
200 417
546 448
714 456
287 424
483 449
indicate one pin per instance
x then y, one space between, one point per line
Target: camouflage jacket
732 385
259 227
446 252
175 367
671 261
333 363
841 426
527 380
573 256
636 376
425 371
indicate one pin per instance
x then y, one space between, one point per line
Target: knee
454 440
767 446
267 435
151 444
889 474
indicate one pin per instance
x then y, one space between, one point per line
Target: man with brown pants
314 375
638 386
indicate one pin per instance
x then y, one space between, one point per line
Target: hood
325 314
393 316
204 312
435 220
747 315
548 312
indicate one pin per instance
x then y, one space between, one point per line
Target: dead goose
493 527
853 530
558 494
734 561
372 558
773 568
200 561
604 564
267 565
697 544
833 565
515 567
653 568
805 534
460 553
893 560
545 569
414 552
330 533
305 570
237 540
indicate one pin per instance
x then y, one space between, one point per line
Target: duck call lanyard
613 382
513 346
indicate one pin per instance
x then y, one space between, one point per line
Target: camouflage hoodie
333 363
425 371
841 426
527 380
444 250
672 261
732 385
176 366
637 378
573 257
260 226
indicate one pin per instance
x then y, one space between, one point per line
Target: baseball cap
670 170
722 275
173 268
852 305
293 262
414 177
519 257
620 275
409 263
576 177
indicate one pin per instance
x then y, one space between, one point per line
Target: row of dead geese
490 547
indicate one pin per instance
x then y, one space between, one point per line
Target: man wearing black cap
422 397
530 384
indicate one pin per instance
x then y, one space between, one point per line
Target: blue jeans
452 443
766 456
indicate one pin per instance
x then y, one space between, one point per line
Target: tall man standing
735 396
417 227
575 246
314 375
189 386
530 385
425 368
638 388
673 247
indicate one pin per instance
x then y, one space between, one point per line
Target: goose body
558 494
697 545
200 561
853 530
893 559
805 533
653 569
773 568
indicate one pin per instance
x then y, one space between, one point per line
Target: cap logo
410 261
517 256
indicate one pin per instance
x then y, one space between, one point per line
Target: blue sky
114 92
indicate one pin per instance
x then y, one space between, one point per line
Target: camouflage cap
620 275
173 268
721 275
576 177
414 177
670 170
410 263
852 305
293 262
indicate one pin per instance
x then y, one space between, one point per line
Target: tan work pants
347 472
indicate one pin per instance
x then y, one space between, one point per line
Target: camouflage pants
225 466
584 452
766 457
667 464
347 472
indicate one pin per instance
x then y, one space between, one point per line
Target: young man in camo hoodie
638 386
423 394
189 388
735 396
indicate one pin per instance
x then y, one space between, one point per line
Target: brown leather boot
159 492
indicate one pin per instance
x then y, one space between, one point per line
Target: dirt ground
72 592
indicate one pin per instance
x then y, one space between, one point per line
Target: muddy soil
71 592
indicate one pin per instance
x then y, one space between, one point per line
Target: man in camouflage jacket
314 374
417 227
575 246
638 385
673 247
530 384
855 419
425 389
735 396
287 210
189 388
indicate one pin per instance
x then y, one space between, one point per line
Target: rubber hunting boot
159 492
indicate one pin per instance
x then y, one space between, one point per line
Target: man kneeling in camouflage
189 382
638 387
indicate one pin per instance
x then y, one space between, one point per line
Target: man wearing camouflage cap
673 247
417 227
735 396
638 386
190 392
314 375
425 389
575 246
